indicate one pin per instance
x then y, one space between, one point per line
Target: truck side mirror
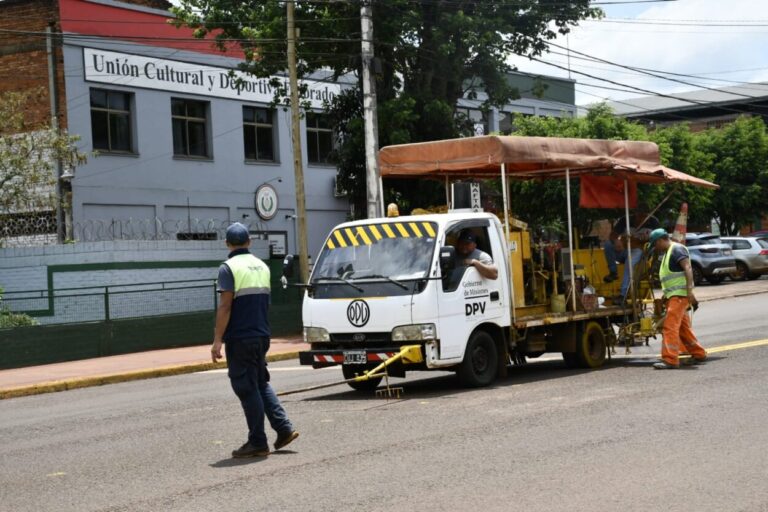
288 266
447 259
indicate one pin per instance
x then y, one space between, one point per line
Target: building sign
266 201
170 75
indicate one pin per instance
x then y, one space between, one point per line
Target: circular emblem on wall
266 201
358 313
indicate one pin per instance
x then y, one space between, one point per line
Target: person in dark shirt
242 327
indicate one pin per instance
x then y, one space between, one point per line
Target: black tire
698 276
752 277
591 345
571 361
481 361
350 371
716 279
742 272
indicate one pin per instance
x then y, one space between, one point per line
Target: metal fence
106 303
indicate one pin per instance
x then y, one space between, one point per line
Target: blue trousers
613 257
247 370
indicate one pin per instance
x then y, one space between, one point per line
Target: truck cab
380 284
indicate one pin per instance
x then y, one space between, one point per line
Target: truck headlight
417 332
316 335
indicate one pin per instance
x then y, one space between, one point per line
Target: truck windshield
390 252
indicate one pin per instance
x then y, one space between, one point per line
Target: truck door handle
494 296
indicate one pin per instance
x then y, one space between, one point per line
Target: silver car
751 254
711 259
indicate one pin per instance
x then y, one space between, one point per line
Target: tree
432 52
28 158
737 154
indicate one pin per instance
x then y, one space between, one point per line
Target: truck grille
362 337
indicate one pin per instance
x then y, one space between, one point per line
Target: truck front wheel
351 371
480 361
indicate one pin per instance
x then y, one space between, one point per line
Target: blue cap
656 234
237 234
467 236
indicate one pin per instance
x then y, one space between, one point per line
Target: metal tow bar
409 354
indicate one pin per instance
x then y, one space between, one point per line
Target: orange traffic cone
678 235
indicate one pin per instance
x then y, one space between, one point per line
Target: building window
111 126
258 134
475 121
190 128
319 139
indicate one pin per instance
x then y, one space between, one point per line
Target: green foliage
431 54
737 155
677 148
9 319
28 157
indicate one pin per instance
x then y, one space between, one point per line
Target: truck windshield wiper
341 280
377 276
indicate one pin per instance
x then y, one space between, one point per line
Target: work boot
663 365
700 360
285 438
610 277
248 450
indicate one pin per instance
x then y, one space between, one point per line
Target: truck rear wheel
351 371
480 361
590 346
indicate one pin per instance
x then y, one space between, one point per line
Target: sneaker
248 450
663 365
285 439
610 278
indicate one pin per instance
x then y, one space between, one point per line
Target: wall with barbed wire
39 229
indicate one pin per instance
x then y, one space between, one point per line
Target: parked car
763 233
751 254
711 259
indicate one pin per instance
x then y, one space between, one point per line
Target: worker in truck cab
468 255
676 278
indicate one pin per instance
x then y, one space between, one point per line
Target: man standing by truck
242 322
676 278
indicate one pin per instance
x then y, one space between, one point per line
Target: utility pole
369 113
301 210
53 95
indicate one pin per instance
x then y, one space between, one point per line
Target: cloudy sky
720 42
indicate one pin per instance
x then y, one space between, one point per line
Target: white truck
381 284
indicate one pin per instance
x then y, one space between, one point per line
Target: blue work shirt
250 313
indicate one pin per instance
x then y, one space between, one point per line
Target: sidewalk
144 365
47 378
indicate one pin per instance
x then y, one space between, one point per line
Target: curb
100 380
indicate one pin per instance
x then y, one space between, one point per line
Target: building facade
180 144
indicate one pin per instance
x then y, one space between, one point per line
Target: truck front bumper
333 357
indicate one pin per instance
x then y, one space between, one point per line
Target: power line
649 73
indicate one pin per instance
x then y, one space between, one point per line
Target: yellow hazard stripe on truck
369 235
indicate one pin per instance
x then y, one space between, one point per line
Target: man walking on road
242 323
676 278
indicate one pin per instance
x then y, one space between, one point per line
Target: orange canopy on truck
530 157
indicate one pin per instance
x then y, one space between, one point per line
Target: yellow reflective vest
673 284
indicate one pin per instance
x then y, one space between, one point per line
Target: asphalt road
625 437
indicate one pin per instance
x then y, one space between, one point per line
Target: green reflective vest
673 284
250 273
